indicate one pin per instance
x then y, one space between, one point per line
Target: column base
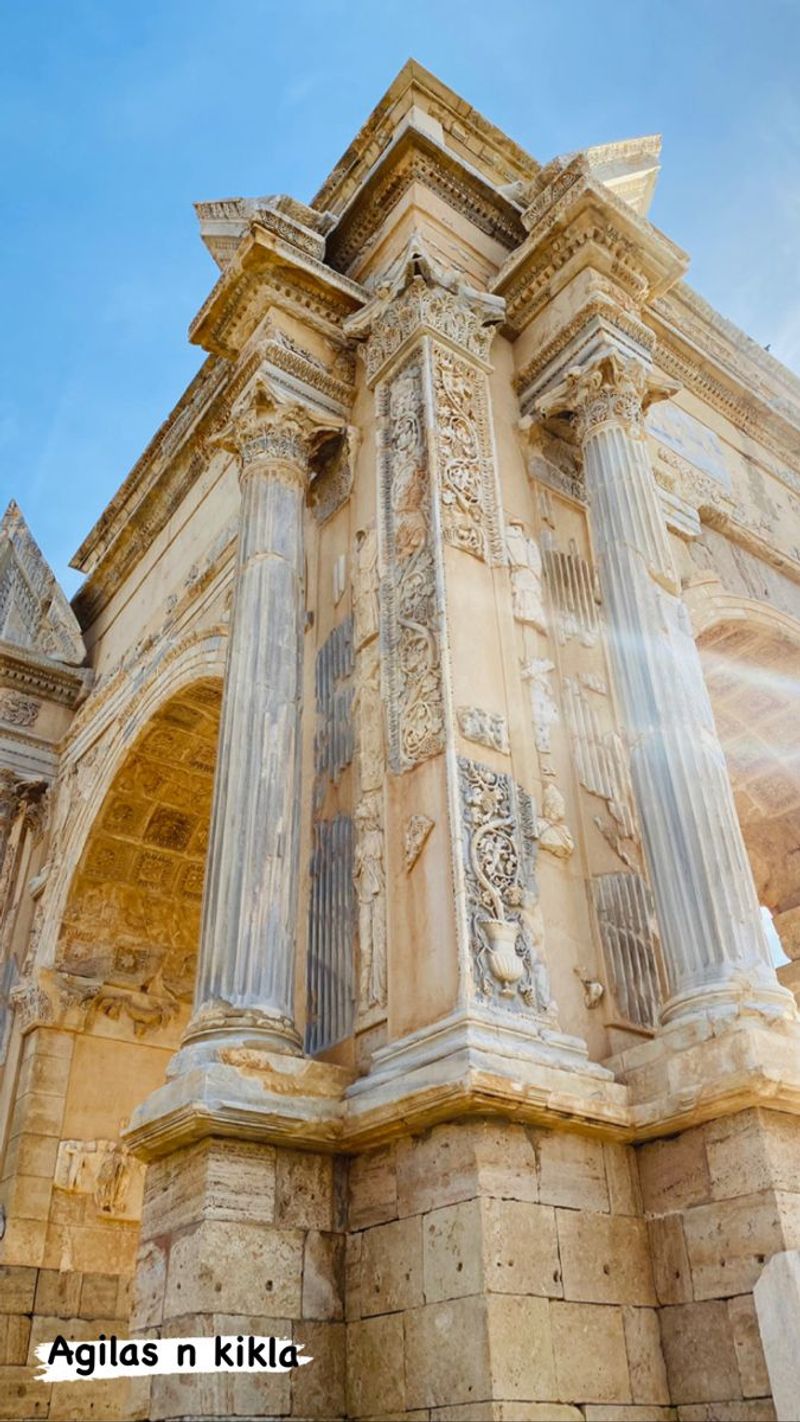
222 1024
731 991
709 1065
220 1087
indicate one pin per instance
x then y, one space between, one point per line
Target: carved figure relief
506 931
418 827
526 576
488 728
103 1169
554 835
366 615
544 708
370 883
410 612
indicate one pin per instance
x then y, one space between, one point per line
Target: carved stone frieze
333 470
487 728
34 612
600 758
18 710
103 1169
366 607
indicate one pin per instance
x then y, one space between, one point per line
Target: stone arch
97 750
751 658
131 919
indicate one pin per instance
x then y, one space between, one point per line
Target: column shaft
250 904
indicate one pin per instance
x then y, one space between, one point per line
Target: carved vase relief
505 921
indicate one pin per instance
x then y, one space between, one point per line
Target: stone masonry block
590 1354
622 1176
520 1248
304 1189
213 1180
571 1171
391 1267
748 1347
672 1274
729 1241
17 1289
58 1293
697 1339
674 1173
438 1168
448 1353
645 1356
318 1391
605 1258
376 1367
241 1268
372 1188
323 1276
521 1348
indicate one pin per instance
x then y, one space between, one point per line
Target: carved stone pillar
714 945
246 970
9 801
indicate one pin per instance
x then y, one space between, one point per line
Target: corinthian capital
268 430
609 389
420 294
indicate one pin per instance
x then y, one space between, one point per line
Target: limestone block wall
495 1271
720 1200
243 1238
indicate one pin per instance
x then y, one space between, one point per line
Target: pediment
34 613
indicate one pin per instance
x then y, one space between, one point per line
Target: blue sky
115 115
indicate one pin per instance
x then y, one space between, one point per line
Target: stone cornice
464 131
35 674
269 271
574 223
415 157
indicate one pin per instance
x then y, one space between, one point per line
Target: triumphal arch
388 824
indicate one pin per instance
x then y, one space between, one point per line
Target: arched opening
753 675
132 917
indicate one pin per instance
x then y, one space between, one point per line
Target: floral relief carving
505 924
410 611
464 457
417 829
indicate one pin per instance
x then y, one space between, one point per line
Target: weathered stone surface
448 1356
571 1171
376 1367
304 1190
748 1346
729 1241
590 1355
323 1276
372 1188
391 1267
220 1264
214 1180
674 1174
698 1350
645 1356
622 1176
604 1259
672 1274
318 1390
520 1348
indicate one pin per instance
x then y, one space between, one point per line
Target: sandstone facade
385 828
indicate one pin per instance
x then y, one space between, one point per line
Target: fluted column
246 968
713 939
